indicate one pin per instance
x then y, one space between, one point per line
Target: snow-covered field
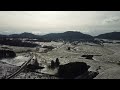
106 57
17 61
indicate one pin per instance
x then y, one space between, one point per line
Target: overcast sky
42 22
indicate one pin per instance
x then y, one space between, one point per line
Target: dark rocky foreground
73 70
76 70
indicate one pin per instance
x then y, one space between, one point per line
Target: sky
43 22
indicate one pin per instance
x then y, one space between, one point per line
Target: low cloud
111 20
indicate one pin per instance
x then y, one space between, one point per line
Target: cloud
111 20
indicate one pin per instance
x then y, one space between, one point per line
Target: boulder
88 56
72 70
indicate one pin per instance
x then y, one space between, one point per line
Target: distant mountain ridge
1 36
67 36
111 35
24 35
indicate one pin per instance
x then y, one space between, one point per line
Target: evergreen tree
57 63
52 64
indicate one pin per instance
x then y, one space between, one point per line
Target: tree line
16 42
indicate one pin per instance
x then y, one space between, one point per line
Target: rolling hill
111 36
24 35
68 36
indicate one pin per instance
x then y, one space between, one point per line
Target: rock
88 75
88 56
34 65
72 70
48 47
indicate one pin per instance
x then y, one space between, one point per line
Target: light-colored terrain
106 57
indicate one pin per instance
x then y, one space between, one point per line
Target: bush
52 64
7 54
68 48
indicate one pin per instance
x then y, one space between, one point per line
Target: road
23 66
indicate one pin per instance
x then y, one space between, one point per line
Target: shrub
7 54
52 64
68 48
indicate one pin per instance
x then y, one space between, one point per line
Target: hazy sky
42 22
